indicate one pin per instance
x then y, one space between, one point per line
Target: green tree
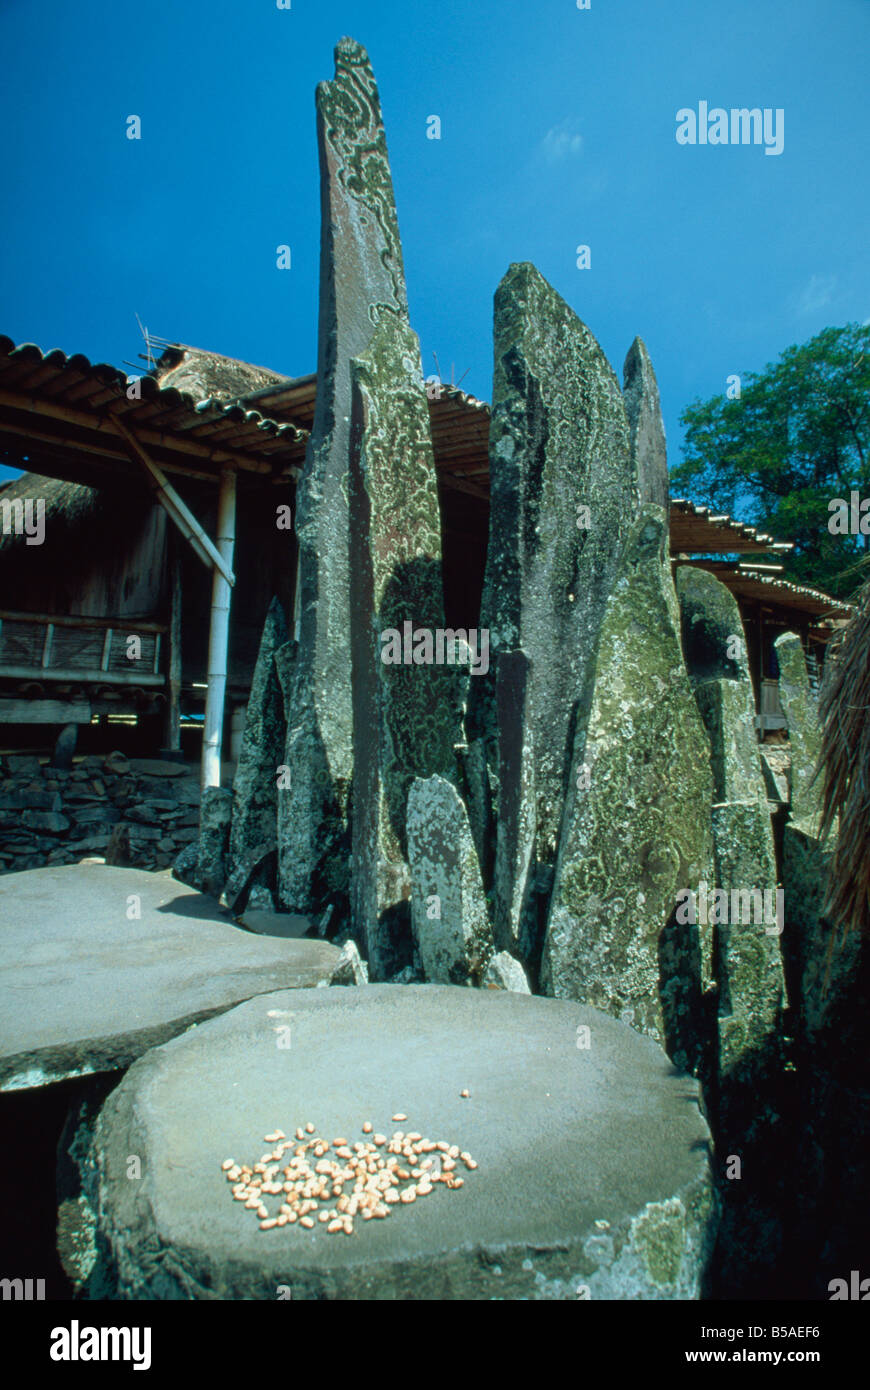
797 437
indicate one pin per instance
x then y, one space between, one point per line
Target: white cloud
561 142
816 294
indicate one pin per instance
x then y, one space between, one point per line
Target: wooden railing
51 647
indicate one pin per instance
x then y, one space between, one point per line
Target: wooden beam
78 675
446 480
131 625
108 423
178 511
75 449
44 712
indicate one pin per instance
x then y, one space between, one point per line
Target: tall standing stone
637 828
747 1093
647 431
713 638
822 960
477 790
404 722
452 933
820 973
254 826
215 812
561 496
830 974
804 731
516 885
361 283
748 964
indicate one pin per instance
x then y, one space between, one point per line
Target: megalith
361 283
747 960
203 863
646 428
561 496
804 731
829 975
637 825
251 859
515 884
505 972
822 959
452 933
405 724
478 794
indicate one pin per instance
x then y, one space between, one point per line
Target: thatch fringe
209 376
844 770
67 505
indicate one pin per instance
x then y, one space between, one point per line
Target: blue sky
558 129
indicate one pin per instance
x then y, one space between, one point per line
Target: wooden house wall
107 562
464 535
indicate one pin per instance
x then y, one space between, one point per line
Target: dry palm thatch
67 505
207 375
844 770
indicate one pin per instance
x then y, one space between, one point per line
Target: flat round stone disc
97 964
593 1176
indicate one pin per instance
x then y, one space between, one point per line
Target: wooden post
218 636
173 709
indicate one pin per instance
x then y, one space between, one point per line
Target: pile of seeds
365 1179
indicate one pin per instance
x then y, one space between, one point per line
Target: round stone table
98 964
593 1178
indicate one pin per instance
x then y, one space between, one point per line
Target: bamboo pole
173 709
218 636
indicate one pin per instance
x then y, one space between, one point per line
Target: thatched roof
67 505
208 376
845 770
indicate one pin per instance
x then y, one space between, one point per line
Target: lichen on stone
659 1235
